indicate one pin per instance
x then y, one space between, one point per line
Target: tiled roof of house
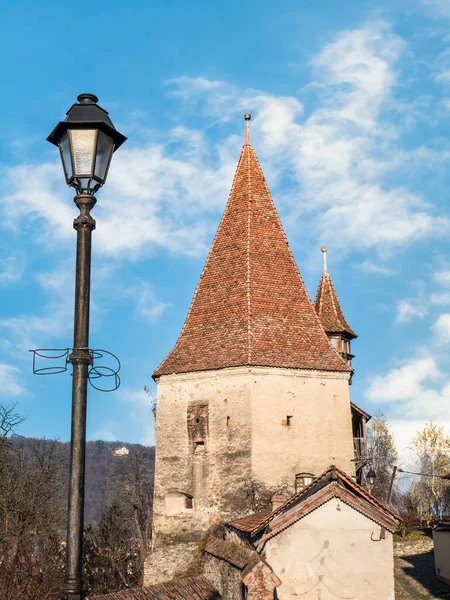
328 308
251 306
250 522
190 588
237 555
331 475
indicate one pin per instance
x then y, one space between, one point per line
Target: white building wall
441 539
334 552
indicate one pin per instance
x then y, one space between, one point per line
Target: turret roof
251 307
328 308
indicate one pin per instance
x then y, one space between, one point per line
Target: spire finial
324 250
247 118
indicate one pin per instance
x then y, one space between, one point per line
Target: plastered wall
329 554
301 422
441 540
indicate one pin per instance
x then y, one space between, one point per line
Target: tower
253 390
331 316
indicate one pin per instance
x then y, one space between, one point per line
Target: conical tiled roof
328 308
251 306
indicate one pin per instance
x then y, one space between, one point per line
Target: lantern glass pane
105 147
83 142
86 184
64 148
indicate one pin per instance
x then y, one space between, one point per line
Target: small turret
331 316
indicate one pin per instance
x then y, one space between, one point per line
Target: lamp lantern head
86 140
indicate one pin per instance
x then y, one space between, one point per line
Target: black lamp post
86 141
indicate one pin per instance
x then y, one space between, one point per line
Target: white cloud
31 195
140 403
347 147
104 433
29 331
442 328
9 381
11 269
443 77
404 431
403 383
341 155
438 7
415 391
147 304
371 268
148 437
407 310
337 160
155 197
442 277
419 307
440 298
136 397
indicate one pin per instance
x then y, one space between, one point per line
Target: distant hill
100 464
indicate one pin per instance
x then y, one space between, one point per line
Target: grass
414 534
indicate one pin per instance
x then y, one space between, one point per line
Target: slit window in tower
228 421
289 420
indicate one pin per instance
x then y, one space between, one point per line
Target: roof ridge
322 496
247 146
363 492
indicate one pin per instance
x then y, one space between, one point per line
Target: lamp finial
87 99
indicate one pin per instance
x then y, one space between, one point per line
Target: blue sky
351 115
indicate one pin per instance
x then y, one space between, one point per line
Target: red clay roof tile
329 310
235 554
250 522
259 521
190 588
251 306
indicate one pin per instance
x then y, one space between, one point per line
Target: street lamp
87 140
371 476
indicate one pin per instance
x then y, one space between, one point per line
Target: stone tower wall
301 423
215 430
209 460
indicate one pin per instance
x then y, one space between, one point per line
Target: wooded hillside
101 465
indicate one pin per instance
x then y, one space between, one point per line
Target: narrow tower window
197 426
228 421
289 420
